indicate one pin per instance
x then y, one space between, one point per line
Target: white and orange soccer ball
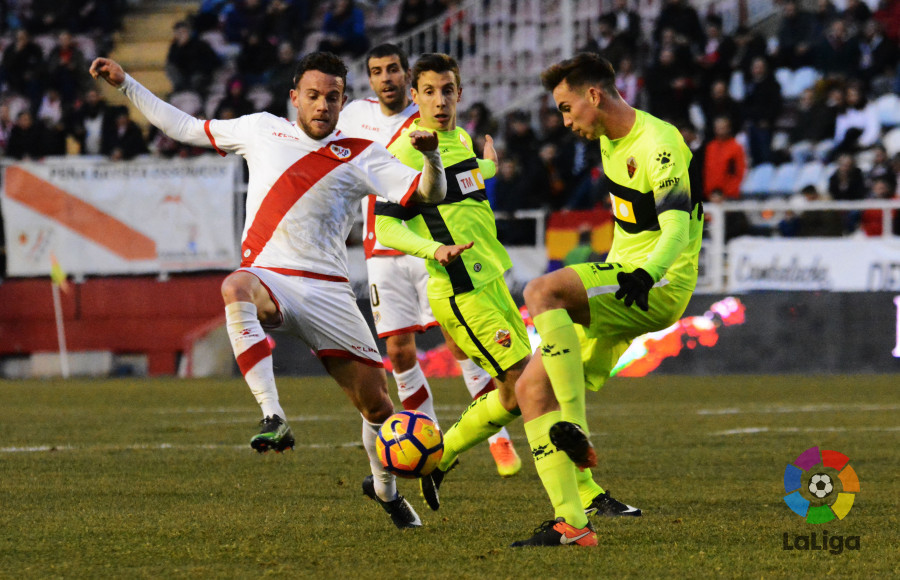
410 444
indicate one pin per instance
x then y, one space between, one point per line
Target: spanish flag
57 274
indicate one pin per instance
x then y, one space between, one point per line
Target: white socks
385 484
414 392
253 354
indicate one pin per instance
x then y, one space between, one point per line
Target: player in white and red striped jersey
306 183
397 281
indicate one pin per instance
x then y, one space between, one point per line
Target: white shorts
323 314
397 291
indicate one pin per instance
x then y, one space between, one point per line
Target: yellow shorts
614 325
486 324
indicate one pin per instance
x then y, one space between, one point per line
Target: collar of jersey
632 133
414 126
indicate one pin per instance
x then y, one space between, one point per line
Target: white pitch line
158 447
245 412
780 409
755 430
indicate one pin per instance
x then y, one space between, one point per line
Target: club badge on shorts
376 316
503 338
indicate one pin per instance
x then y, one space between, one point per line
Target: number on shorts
373 296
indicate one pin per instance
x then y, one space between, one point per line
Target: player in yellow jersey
466 288
584 313
397 281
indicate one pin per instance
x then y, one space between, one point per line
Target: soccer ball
409 444
820 485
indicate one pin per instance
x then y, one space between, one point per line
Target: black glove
635 287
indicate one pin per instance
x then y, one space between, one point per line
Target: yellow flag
57 274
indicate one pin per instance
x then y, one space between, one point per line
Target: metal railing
503 45
714 257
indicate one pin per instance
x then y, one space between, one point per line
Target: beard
316 130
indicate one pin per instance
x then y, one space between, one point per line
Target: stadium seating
794 82
888 107
784 179
803 78
736 87
810 174
891 141
758 180
802 151
865 160
188 101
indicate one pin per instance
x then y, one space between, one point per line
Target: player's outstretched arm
446 254
174 122
433 183
109 70
391 232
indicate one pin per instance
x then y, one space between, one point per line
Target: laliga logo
821 486
827 480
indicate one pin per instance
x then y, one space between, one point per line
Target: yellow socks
556 470
481 419
561 355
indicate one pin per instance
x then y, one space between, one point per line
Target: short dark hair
435 62
582 69
388 49
324 62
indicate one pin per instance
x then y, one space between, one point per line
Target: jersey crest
340 152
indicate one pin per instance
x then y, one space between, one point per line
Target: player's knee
506 385
235 290
535 395
402 354
522 389
540 295
378 411
509 399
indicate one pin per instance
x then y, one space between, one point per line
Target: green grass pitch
155 479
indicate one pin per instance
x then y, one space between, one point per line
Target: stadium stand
502 46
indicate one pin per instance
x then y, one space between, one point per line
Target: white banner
106 217
838 265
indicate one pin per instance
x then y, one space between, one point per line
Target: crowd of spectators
721 89
47 104
723 92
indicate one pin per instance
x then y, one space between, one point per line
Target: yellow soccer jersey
647 175
464 215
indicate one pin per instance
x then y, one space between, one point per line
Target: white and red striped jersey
363 118
302 193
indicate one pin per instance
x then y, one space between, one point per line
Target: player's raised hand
489 152
446 254
109 70
424 140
